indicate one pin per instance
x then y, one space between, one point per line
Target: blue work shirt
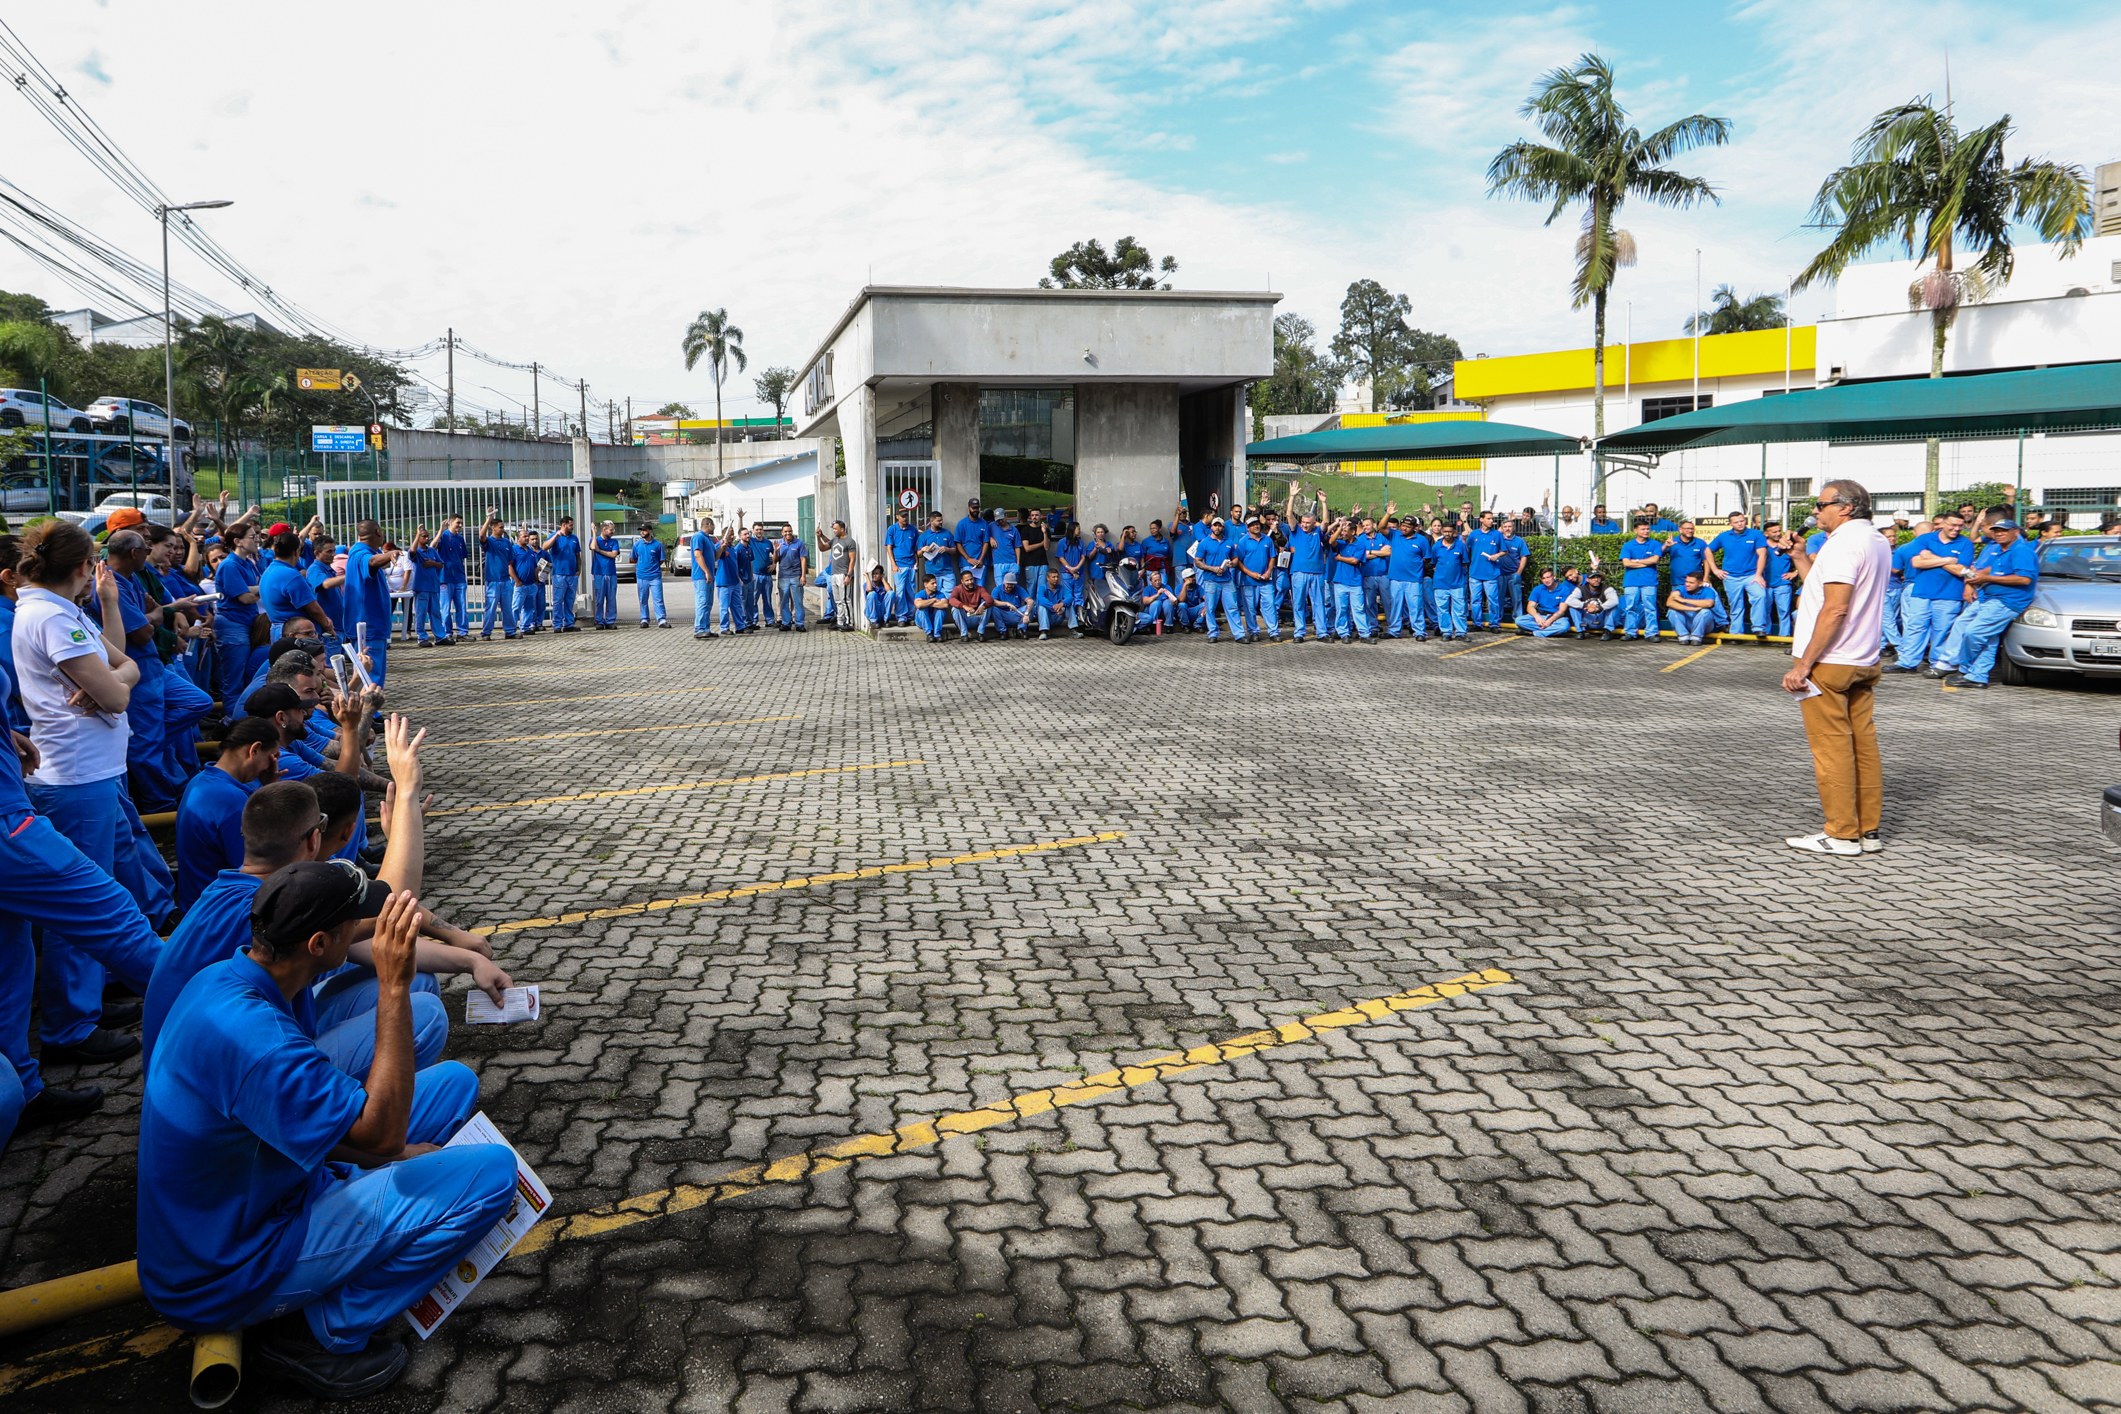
522 559
1813 541
1212 557
1738 551
2022 558
132 617
1155 552
236 575
1184 536
1661 526
1779 564
500 553
1514 551
1409 554
761 557
938 555
1307 550
216 926
744 556
453 551
1687 557
1372 568
973 534
209 830
1255 553
426 570
1052 596
1481 544
284 592
1633 577
1071 554
790 557
1096 556
704 554
901 540
1605 527
730 568
1343 572
647 558
1546 599
565 551
332 601
17 714
1936 582
240 1114
599 566
1452 558
1008 544
367 592
1013 597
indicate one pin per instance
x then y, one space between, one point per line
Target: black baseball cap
271 698
314 897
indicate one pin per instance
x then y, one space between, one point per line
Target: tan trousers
1845 748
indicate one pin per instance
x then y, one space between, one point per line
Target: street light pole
169 366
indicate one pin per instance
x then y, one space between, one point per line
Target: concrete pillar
1126 454
955 410
864 488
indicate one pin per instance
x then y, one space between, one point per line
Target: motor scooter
1112 605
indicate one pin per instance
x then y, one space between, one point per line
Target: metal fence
402 507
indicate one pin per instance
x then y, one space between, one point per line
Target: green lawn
1021 498
1345 492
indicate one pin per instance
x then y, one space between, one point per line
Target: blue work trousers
1351 605
1976 637
762 596
378 1239
1008 617
1691 623
1309 591
1780 598
456 609
931 623
726 608
1638 609
1216 593
530 606
183 704
501 600
903 589
1163 611
970 625
1512 594
1487 602
1406 607
427 623
96 820
563 587
1450 605
792 598
648 589
346 1021
1926 626
702 605
604 599
1059 614
1562 624
231 657
146 756
743 595
1745 601
1259 606
1377 595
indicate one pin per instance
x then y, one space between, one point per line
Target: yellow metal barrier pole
216 1368
27 1307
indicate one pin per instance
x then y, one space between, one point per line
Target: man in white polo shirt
1838 632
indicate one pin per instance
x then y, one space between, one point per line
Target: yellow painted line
1947 686
1675 667
548 701
1478 646
877 871
608 731
922 1133
67 1361
690 785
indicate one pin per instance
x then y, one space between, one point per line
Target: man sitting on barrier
210 816
1010 607
972 606
1547 615
1594 608
1693 609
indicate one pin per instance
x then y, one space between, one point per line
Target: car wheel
119 426
184 434
80 424
10 418
2008 672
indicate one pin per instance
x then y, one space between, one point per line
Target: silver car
2073 624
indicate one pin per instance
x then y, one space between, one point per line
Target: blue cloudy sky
572 183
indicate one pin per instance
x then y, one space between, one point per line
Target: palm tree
1918 180
1728 314
1599 160
721 343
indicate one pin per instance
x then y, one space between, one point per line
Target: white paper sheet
517 1004
531 1199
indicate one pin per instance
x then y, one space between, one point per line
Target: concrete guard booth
1157 378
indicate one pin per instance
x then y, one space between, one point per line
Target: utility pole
451 411
629 420
537 418
611 431
582 387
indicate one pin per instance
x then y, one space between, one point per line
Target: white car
25 407
118 416
25 494
156 508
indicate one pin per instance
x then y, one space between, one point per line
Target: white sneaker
1871 843
1823 844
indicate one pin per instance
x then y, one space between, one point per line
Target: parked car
25 407
156 508
2073 625
90 521
24 495
117 416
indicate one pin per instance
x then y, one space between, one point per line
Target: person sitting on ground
1594 608
210 816
278 1191
1547 613
929 606
1054 606
1159 604
876 599
972 606
1010 607
1692 609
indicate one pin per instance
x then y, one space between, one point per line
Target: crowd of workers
282 979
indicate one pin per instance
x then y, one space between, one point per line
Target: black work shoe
101 1048
1963 683
287 1347
119 1015
56 1106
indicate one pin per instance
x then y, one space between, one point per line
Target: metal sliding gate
900 479
402 507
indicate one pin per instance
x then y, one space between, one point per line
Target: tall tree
773 386
1086 266
1304 380
1428 357
1373 322
1916 179
674 410
1597 158
714 338
1728 314
30 350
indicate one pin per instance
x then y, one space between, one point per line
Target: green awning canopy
1416 441
2079 399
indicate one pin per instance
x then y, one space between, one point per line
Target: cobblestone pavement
1749 1131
